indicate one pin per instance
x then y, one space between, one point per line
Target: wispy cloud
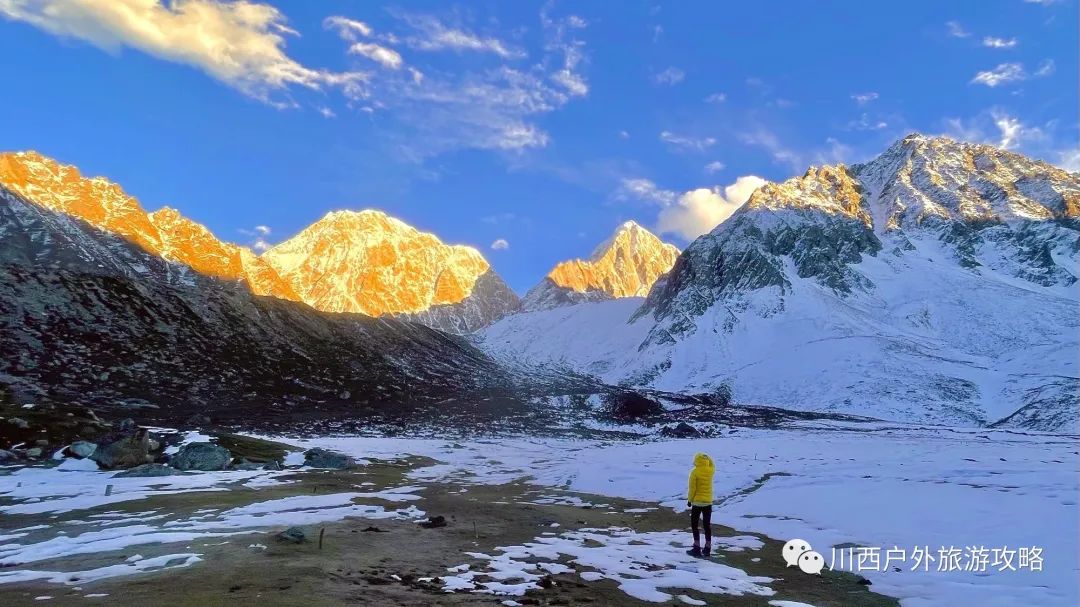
1046 68
431 34
716 98
500 244
956 30
992 42
560 41
1004 73
241 44
715 167
387 57
682 142
669 77
644 189
864 98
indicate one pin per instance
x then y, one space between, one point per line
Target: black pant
705 512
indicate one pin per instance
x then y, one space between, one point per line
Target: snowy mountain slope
935 283
371 263
625 265
86 316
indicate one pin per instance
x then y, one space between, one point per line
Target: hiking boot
695 551
707 550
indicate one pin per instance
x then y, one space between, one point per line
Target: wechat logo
799 552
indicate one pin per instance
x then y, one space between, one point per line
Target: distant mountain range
936 283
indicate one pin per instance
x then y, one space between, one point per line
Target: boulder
201 456
293 535
127 425
631 405
272 465
20 423
147 470
322 458
7 456
680 430
123 451
35 452
81 449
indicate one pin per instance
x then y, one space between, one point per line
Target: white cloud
698 144
715 167
433 35
239 43
698 211
716 98
992 42
1004 73
326 112
669 77
500 245
258 235
624 134
866 123
956 30
864 98
386 57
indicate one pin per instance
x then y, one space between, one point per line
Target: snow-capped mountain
87 316
625 265
371 263
364 262
936 283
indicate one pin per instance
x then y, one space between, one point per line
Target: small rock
35 452
434 522
146 470
546 582
272 465
293 535
127 425
81 449
372 529
6 456
20 423
864 581
201 456
323 458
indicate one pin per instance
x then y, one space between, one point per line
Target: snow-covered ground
881 486
890 488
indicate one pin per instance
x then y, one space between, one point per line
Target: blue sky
543 125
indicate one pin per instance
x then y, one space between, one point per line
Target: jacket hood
702 460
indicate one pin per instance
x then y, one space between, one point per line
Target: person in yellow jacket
699 499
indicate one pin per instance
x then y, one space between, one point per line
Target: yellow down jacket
701 477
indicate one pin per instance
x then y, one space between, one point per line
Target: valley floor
561 521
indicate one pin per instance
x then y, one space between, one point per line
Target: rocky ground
392 561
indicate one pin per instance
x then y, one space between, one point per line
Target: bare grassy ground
355 567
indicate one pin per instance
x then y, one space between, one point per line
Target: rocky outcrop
206 457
